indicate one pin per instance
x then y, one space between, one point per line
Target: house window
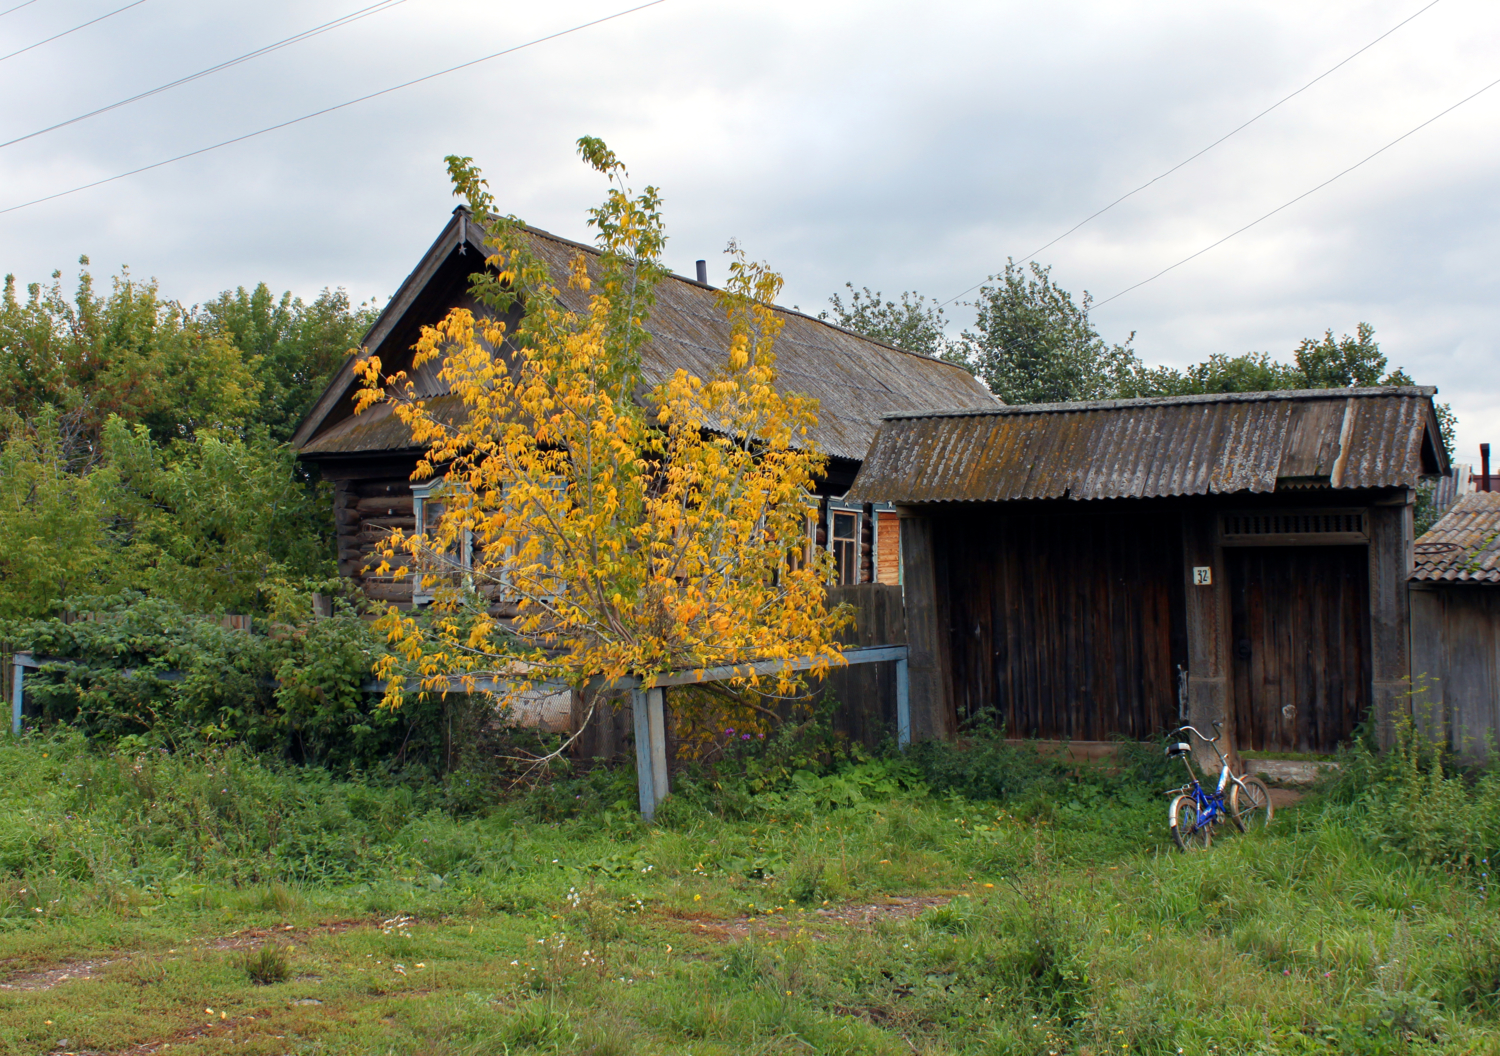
427 511
807 540
843 540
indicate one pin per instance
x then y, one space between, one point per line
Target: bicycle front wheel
1250 804
1186 832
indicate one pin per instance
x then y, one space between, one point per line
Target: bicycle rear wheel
1186 833
1250 804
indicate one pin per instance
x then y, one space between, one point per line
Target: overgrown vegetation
142 442
141 672
979 900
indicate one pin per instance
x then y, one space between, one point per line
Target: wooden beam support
1209 690
930 704
645 779
21 662
1390 655
903 703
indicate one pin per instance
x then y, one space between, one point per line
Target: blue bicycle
1195 810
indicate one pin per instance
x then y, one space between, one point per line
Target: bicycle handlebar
1212 743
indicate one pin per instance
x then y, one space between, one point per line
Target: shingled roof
1464 546
855 380
1146 448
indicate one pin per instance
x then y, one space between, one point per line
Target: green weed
268 965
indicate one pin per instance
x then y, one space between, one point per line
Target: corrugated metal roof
855 380
1183 445
1452 487
1463 547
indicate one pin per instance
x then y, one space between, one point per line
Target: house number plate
1203 576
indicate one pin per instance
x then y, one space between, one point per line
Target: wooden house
1455 626
1090 571
370 457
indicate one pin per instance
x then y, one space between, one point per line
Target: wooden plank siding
866 693
888 546
1300 645
1067 626
1455 662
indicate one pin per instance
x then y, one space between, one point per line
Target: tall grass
1063 920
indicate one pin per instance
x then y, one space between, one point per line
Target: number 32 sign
1203 576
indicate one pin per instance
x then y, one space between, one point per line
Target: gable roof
1464 546
856 380
1180 445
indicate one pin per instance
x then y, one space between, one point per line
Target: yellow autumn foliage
612 528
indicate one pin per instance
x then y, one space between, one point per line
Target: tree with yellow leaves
594 527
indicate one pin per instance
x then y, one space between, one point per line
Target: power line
75 29
1301 196
337 23
338 106
18 7
1211 146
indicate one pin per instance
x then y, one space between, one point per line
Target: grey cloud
896 145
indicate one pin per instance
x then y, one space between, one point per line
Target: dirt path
250 938
1281 798
862 915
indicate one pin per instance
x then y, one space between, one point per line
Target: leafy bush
147 669
1412 800
987 767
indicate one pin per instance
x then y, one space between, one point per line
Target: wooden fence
866 693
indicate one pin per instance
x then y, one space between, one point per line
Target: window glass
845 544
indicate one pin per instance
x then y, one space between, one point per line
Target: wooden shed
1090 571
369 458
1455 626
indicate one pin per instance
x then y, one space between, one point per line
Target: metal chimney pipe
1484 467
703 272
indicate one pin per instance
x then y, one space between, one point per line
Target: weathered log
385 505
368 489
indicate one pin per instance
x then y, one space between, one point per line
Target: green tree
299 346
54 515
207 522
912 325
1251 372
1349 361
1033 343
130 353
145 442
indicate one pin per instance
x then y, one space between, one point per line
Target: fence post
656 715
645 781
17 677
903 704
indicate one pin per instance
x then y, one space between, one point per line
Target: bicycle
1195 811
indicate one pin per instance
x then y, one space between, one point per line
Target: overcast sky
894 145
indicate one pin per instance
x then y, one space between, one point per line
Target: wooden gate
1067 626
1301 656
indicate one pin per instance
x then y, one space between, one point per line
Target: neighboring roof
1452 487
855 380
1180 445
1463 547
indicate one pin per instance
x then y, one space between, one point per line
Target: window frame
431 492
837 507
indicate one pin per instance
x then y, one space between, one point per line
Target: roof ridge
1171 401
